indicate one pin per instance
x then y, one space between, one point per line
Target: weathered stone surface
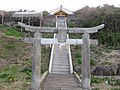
114 68
78 69
86 62
102 71
36 63
61 82
118 70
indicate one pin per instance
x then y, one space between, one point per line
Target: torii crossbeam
62 33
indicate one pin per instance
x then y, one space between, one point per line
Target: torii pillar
36 62
86 62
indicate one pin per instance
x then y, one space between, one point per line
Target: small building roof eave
27 14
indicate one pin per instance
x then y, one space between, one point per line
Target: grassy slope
15 57
10 31
15 60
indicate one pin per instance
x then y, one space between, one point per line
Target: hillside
16 60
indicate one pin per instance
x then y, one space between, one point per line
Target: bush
27 70
115 89
118 82
9 46
7 76
79 60
95 89
78 54
109 39
96 80
78 57
92 62
4 75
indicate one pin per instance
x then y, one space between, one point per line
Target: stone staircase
60 82
60 77
61 23
60 63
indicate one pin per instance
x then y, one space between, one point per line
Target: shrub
92 62
78 54
95 89
9 46
109 38
96 80
78 57
115 89
27 71
118 82
79 60
7 76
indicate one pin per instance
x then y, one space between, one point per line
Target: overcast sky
49 5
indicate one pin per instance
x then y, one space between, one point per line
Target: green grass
10 31
78 58
96 80
12 75
15 74
13 32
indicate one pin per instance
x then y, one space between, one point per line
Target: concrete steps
60 78
61 82
60 63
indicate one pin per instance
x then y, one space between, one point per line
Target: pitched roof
27 14
61 8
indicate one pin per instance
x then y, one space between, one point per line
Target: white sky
40 5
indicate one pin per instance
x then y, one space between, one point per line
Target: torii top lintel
55 30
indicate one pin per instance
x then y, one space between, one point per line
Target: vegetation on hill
10 31
108 38
93 16
16 60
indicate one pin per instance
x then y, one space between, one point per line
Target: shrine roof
61 9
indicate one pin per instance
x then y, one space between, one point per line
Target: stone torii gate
62 38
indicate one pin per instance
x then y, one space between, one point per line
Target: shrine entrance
60 60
